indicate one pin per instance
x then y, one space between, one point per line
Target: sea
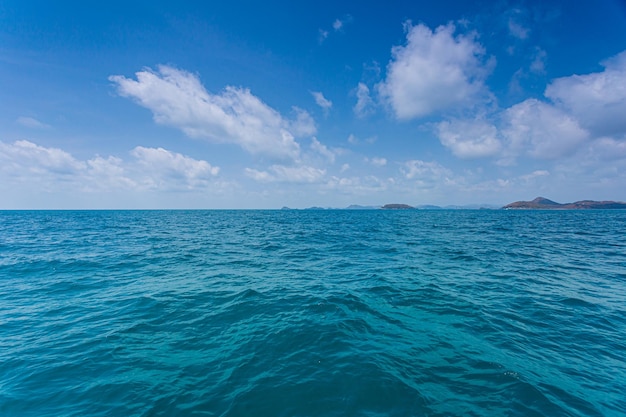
313 313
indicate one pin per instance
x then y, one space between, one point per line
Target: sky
250 104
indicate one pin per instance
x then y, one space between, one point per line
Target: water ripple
299 313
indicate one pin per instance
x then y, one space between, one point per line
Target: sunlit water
313 313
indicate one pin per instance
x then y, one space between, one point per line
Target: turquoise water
313 313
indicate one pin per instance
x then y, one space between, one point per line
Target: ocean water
313 313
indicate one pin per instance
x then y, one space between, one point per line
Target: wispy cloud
283 173
177 98
32 123
364 104
425 173
321 149
377 161
538 65
322 101
322 35
517 30
337 26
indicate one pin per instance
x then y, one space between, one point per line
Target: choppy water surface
313 313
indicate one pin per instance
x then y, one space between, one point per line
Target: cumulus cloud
580 113
31 123
541 130
178 99
150 168
108 174
160 166
337 24
322 101
24 157
434 71
364 104
469 138
597 100
283 173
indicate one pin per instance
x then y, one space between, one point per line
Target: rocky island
542 203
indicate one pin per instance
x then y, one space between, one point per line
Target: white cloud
379 162
26 158
541 130
586 115
161 167
303 124
606 149
51 169
337 25
322 149
517 21
534 175
282 173
358 186
364 104
177 98
469 138
434 71
261 176
597 100
109 174
322 101
426 174
352 139
31 123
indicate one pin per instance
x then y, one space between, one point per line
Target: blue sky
248 104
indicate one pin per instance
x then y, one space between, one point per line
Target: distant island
542 203
397 207
539 203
